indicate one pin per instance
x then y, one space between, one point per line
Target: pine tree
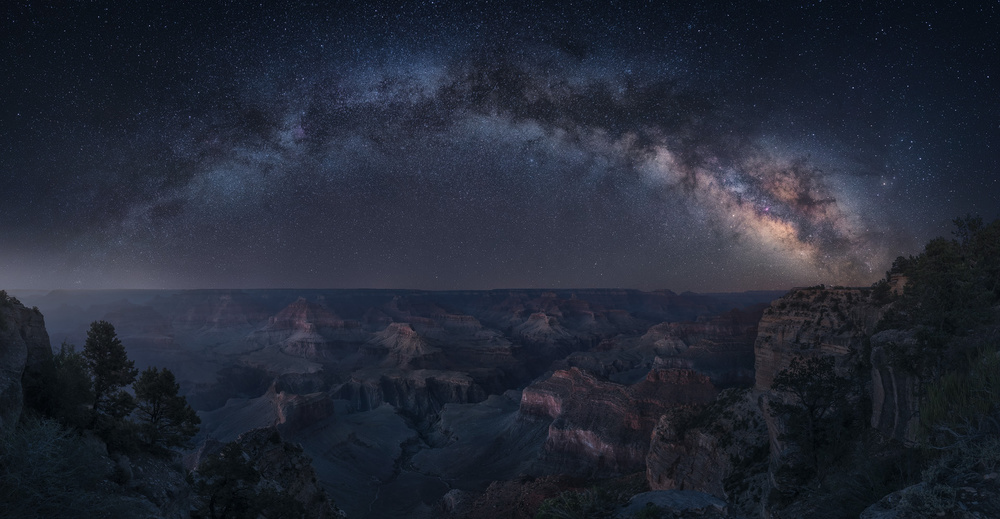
72 388
819 398
111 370
164 416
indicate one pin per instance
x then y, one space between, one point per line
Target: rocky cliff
24 353
895 394
307 329
600 427
814 321
721 449
740 448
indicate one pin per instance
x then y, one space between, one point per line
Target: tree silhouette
112 371
164 416
230 488
818 394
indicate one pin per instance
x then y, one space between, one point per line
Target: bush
964 404
232 488
586 504
47 471
598 502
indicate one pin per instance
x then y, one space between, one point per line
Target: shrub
47 471
964 404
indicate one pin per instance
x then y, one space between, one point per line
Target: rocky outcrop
282 466
737 448
24 354
289 468
399 346
306 329
721 449
895 392
603 427
805 323
540 327
809 322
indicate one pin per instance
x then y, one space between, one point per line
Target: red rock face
607 426
307 329
304 316
399 346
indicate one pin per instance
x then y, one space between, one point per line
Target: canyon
474 404
404 397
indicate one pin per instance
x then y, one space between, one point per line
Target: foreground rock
24 354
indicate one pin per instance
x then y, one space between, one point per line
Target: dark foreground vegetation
90 418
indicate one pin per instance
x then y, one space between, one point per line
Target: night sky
445 145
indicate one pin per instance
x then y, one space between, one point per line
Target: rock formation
603 427
307 329
399 346
718 449
24 353
738 449
895 391
282 466
419 392
285 465
814 321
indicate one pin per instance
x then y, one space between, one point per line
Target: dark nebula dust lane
487 145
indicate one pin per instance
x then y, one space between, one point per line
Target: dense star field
447 145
